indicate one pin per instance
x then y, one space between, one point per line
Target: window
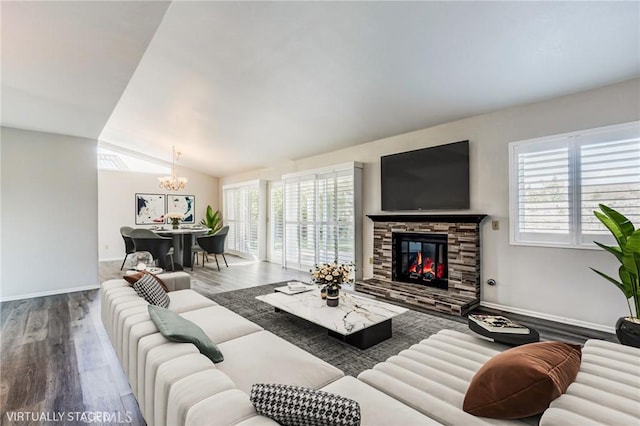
241 213
276 222
558 181
320 216
300 222
117 160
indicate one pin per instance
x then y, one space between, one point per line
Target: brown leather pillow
133 277
522 381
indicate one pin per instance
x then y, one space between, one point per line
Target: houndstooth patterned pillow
148 288
299 406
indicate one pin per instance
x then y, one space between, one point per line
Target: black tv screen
435 178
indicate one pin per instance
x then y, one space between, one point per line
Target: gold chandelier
173 183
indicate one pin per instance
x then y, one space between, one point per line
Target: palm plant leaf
616 223
624 288
623 223
628 254
212 220
613 227
631 254
613 250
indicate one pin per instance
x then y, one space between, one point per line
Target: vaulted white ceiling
65 64
241 85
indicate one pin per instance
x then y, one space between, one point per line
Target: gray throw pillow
178 329
148 288
299 406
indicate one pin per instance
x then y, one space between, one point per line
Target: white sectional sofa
423 385
175 385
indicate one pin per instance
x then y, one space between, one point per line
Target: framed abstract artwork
185 204
150 209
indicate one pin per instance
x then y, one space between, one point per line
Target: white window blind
276 222
557 182
241 214
319 218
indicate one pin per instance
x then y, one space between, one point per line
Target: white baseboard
49 293
578 323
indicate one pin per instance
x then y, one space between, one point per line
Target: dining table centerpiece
175 219
330 277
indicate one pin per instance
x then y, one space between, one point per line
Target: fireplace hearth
420 258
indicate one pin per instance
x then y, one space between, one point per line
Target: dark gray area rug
408 329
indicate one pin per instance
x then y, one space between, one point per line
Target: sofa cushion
263 357
155 357
110 297
119 305
133 327
224 408
190 390
154 351
178 329
522 381
300 406
221 324
167 375
177 280
432 376
188 300
150 290
606 389
377 408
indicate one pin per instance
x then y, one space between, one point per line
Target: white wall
49 240
548 282
116 201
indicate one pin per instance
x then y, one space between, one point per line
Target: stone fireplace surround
463 252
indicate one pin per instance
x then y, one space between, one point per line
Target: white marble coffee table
359 321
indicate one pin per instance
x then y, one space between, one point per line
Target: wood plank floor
241 273
56 356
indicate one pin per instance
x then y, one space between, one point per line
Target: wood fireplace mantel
443 218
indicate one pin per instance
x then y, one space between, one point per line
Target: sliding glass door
320 216
275 221
241 214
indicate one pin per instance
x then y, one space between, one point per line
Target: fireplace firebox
420 258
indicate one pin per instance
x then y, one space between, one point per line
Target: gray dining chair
211 244
159 247
129 248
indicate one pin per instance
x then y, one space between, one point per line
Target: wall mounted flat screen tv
434 178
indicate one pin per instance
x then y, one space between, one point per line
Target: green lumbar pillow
177 329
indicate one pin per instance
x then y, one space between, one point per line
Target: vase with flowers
330 276
175 219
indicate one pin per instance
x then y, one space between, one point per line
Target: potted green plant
628 254
212 220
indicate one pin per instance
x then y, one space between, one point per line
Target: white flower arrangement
331 273
175 216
